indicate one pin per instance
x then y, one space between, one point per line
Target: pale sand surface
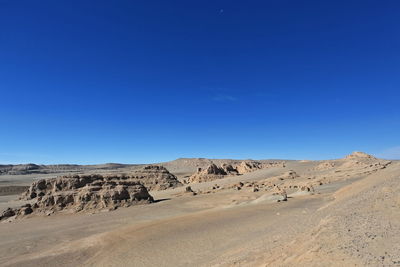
349 222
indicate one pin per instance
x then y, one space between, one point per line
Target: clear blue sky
147 81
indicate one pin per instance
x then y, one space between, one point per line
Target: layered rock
81 193
155 177
211 173
229 169
151 177
85 192
248 166
358 154
214 172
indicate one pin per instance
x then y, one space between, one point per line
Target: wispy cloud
224 98
390 153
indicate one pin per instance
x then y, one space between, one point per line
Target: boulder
280 194
288 175
189 190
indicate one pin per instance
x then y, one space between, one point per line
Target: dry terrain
203 212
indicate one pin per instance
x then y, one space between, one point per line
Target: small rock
9 212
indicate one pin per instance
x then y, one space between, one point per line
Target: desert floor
349 222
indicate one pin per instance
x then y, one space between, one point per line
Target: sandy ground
349 222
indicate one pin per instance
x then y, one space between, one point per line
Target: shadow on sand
161 199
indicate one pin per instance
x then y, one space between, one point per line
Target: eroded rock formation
213 172
155 177
81 193
75 193
358 154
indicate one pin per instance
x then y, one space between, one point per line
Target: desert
199 133
280 213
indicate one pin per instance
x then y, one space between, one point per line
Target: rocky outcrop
211 173
152 177
358 154
214 172
97 196
361 162
229 169
85 192
155 177
214 169
248 166
287 180
81 193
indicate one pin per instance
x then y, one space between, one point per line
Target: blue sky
149 81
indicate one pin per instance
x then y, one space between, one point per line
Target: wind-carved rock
250 166
75 193
358 154
83 193
213 172
155 177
